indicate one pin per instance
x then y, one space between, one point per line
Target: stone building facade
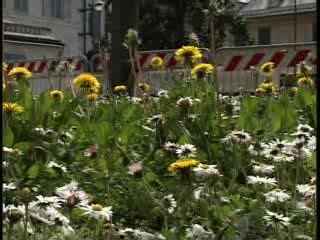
275 21
45 28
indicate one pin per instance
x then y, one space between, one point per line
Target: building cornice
301 8
30 38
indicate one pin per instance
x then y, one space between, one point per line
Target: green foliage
100 145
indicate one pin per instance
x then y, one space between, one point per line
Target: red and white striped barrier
145 57
41 66
243 58
234 64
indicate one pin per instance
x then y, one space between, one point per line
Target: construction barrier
237 67
51 71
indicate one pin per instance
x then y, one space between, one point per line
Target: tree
156 25
162 28
124 16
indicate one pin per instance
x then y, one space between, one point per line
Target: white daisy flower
280 144
5 164
197 100
197 193
169 203
312 143
301 152
8 187
303 237
13 151
136 100
40 215
7 150
206 170
306 190
57 217
98 212
136 169
257 148
12 213
67 135
11 208
313 180
261 180
163 93
186 150
54 164
263 169
50 133
126 231
73 198
185 102
274 218
156 119
282 158
305 128
44 202
171 147
67 230
198 232
40 130
72 186
241 137
276 195
306 208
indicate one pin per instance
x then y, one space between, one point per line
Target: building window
264 36
57 9
274 3
314 31
21 5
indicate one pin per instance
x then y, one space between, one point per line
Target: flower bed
185 164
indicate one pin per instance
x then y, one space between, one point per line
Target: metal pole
84 27
295 30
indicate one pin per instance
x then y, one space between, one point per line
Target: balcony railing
19 28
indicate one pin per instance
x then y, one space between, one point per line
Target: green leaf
33 171
23 146
243 227
249 107
8 137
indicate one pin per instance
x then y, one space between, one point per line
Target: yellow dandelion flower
156 63
260 91
201 70
19 72
144 87
92 96
86 81
10 108
120 88
267 87
188 54
183 164
94 90
56 94
267 69
293 91
305 82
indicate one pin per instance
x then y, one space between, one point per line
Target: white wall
282 28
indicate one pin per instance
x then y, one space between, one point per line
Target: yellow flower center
97 207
